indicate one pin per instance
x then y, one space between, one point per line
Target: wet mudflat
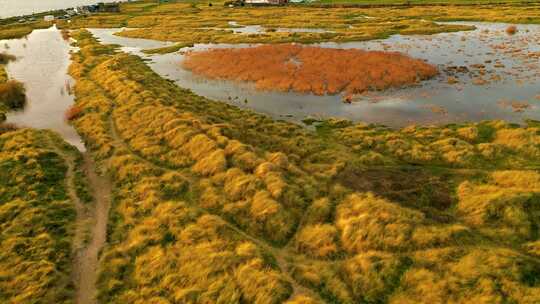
42 63
485 74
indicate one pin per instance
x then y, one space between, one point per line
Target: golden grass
15 30
36 220
214 204
200 23
493 144
3 74
307 69
318 241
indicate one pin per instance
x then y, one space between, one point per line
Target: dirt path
86 258
90 226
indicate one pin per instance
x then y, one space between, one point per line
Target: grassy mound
36 220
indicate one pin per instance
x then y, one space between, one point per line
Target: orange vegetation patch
306 69
72 113
511 30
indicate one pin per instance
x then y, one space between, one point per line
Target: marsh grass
307 69
15 30
214 204
168 49
12 94
3 75
37 219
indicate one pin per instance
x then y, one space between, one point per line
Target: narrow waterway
42 64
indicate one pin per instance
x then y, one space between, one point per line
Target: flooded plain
42 64
484 74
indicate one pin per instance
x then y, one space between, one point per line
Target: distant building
108 7
48 18
266 2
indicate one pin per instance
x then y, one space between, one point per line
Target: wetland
150 165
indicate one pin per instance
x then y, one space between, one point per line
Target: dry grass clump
308 69
492 275
504 208
12 94
318 241
211 164
73 113
367 222
524 140
302 299
373 275
3 74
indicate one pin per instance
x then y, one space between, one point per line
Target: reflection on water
42 64
236 28
499 70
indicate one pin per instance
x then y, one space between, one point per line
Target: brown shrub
65 34
7 127
5 58
511 30
307 69
72 113
12 94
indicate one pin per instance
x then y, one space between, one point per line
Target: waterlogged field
483 74
218 204
41 61
209 201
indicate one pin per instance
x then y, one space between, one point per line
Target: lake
10 8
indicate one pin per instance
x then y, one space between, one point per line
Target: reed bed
306 69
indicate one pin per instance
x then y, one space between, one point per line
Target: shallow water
510 58
10 8
42 63
237 28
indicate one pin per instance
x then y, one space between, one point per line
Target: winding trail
86 258
90 227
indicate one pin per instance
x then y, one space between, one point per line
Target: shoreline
50 11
